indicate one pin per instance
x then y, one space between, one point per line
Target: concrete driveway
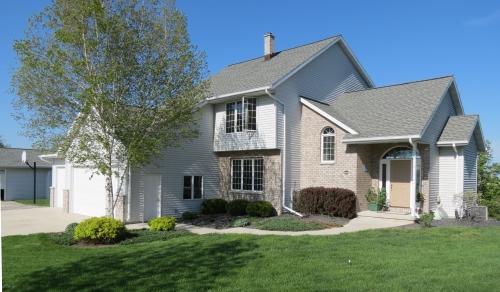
18 219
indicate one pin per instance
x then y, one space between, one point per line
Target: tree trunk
109 193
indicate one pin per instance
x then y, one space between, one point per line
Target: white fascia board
381 139
327 116
451 143
249 91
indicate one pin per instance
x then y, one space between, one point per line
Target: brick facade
272 177
356 167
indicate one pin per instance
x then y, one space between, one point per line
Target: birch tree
108 84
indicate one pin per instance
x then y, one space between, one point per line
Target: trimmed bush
166 223
260 209
237 207
189 216
213 206
242 222
426 219
99 230
327 201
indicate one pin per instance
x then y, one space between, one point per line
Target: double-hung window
247 174
193 187
241 115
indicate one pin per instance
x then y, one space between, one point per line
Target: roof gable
459 130
258 74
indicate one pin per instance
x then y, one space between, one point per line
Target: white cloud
485 20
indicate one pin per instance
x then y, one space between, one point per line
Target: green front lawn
287 224
39 202
452 259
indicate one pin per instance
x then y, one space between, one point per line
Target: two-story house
301 117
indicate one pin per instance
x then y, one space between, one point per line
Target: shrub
242 222
70 228
213 206
189 216
166 223
381 199
493 207
99 230
426 219
237 207
328 201
260 209
371 196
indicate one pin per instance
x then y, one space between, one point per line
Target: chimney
268 46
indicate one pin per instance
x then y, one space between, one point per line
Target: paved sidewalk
19 219
357 224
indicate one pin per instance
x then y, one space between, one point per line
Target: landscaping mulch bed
224 221
220 221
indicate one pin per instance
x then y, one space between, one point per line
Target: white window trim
235 114
241 174
192 188
334 145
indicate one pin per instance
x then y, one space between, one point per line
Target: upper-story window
328 145
241 115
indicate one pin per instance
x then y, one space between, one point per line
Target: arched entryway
397 177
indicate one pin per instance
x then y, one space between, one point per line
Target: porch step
386 215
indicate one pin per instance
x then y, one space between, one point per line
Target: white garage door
60 185
89 195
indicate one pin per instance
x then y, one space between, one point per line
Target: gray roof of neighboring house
459 128
390 111
256 73
11 157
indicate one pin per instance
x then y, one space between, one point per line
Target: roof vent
268 46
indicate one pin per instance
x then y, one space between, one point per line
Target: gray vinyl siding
263 138
19 183
470 166
433 177
437 124
193 158
329 75
431 135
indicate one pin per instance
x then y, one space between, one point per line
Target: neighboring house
301 117
16 178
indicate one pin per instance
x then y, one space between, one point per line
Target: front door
400 183
152 195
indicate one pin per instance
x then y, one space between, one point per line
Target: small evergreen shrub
166 223
99 230
70 228
189 216
260 209
213 206
381 199
426 219
328 201
237 207
242 222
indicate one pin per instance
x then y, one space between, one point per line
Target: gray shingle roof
396 110
258 73
459 128
11 157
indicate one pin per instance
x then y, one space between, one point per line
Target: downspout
413 191
283 158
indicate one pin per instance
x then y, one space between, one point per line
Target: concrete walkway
357 224
19 219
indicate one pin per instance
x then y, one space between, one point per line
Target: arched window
400 153
328 145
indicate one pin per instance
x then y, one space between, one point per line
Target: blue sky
396 41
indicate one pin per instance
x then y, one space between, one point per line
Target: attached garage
88 193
